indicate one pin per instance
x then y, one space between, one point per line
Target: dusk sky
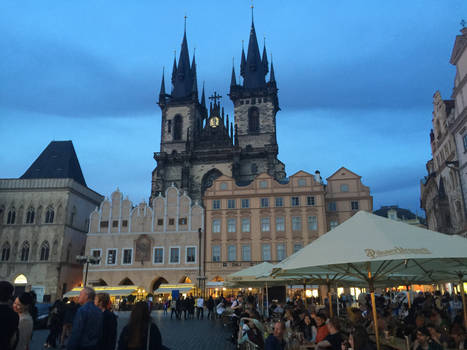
356 81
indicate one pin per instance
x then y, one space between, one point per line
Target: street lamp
87 259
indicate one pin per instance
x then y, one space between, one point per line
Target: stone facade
146 245
268 220
443 191
199 144
51 218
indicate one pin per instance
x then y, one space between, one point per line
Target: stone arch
157 282
185 279
11 217
253 120
25 251
44 251
49 215
20 279
30 214
178 127
126 282
209 178
5 252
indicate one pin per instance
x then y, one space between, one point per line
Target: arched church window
253 120
11 216
30 216
25 251
45 250
6 251
49 215
178 124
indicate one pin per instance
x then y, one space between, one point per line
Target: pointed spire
194 77
272 76
183 85
233 79
174 68
254 69
243 62
264 59
162 91
203 98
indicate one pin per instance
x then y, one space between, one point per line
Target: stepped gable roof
57 161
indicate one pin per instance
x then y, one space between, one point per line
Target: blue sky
355 78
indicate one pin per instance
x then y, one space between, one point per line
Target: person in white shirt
200 307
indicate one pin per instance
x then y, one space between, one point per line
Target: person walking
87 325
200 307
173 308
9 320
141 333
54 323
68 316
210 306
109 322
26 324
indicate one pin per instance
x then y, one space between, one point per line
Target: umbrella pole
409 303
373 305
267 300
330 301
461 283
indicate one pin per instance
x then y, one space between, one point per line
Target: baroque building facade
198 145
145 245
44 217
268 220
443 190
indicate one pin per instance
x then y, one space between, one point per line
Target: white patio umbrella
380 251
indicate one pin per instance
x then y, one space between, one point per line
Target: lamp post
87 259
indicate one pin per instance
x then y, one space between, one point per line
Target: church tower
255 107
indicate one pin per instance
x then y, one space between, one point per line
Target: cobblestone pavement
176 334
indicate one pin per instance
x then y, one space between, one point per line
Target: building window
25 251
11 218
96 253
127 257
223 186
115 223
246 253
45 250
312 223
231 203
297 247
296 223
216 226
354 205
265 224
158 255
111 256
124 223
245 203
279 202
231 225
49 215
310 200
344 188
216 253
245 224
295 201
174 255
264 202
169 126
216 204
253 120
182 221
333 224
178 125
464 138
6 251
332 206
280 224
266 252
263 184
30 216
171 222
232 253
301 182
190 253
160 222
280 250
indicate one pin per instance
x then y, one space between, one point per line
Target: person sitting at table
252 330
276 340
308 328
288 319
358 340
321 328
458 339
424 341
334 339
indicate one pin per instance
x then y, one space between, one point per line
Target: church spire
174 68
194 77
264 59
183 85
233 79
203 98
272 76
254 69
243 62
162 91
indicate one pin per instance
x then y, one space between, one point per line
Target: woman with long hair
109 322
25 327
140 333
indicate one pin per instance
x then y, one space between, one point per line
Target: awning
113 291
214 284
168 288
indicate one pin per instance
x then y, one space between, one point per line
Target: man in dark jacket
9 319
87 325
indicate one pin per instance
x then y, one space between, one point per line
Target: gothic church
199 144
